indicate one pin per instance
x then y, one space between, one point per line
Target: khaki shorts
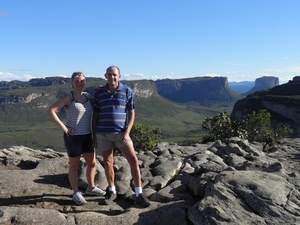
110 141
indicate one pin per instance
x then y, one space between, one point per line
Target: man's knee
133 161
108 162
92 164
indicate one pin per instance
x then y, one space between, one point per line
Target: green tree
218 127
258 127
144 137
254 127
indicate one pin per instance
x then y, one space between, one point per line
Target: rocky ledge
215 183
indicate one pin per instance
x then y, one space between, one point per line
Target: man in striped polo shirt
113 119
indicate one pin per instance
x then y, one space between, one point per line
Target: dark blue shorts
78 144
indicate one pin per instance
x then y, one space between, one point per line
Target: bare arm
94 124
131 117
130 122
55 108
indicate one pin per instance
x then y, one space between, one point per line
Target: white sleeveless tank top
79 116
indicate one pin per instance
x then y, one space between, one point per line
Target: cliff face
282 101
15 99
142 88
263 83
17 92
202 90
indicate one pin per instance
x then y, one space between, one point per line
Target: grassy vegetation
39 136
178 123
27 123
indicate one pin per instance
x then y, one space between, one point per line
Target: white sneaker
95 191
78 198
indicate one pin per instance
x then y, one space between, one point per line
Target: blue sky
150 39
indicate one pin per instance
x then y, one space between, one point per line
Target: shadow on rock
60 180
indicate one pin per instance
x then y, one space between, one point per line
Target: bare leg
132 159
73 172
90 159
108 159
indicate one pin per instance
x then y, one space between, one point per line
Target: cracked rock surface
231 182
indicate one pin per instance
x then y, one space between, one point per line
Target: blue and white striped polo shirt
112 109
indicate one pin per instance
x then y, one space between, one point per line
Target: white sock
113 189
138 191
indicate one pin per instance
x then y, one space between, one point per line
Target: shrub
144 137
218 127
254 127
257 125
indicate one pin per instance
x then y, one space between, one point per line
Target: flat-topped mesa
201 90
263 83
281 101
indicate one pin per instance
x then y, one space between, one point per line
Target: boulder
232 182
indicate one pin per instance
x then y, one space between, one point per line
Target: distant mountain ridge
247 87
175 106
282 101
206 91
242 86
23 106
174 89
263 83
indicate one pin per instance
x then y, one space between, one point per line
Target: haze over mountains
248 87
241 87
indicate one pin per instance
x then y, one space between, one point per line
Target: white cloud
155 78
4 76
242 77
267 75
231 72
134 76
212 75
86 76
174 76
28 76
286 79
62 75
8 76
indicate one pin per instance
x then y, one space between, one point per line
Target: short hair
113 67
76 74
